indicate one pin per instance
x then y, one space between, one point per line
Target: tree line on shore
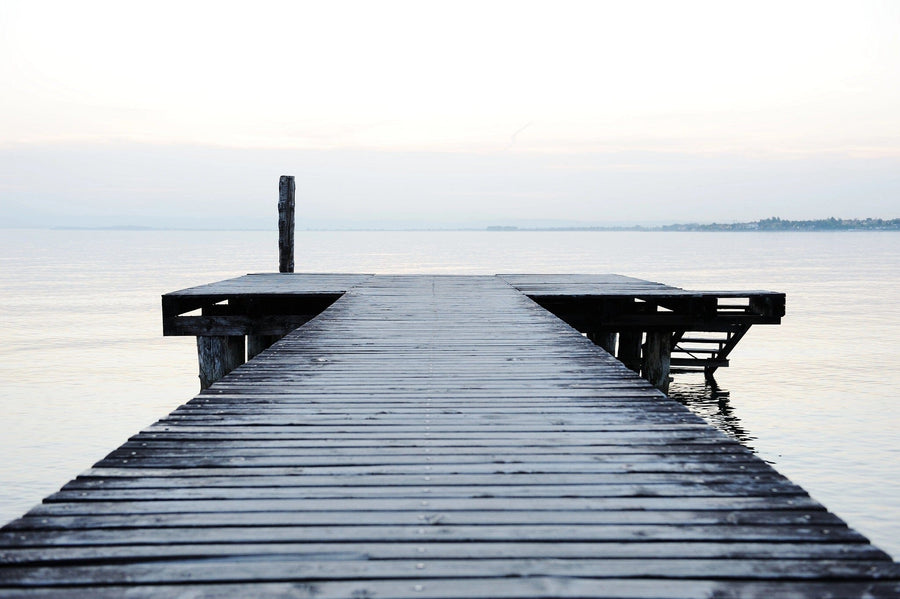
778 224
767 224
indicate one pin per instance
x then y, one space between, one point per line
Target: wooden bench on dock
436 437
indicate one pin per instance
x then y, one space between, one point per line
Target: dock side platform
435 436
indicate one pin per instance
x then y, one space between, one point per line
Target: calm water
84 364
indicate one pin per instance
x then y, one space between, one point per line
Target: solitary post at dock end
286 190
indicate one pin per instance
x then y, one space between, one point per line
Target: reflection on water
711 402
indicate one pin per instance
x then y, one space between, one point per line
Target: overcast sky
447 113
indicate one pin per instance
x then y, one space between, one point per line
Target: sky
443 114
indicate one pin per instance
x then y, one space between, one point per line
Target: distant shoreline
769 224
766 225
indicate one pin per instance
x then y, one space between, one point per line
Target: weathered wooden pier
652 328
441 436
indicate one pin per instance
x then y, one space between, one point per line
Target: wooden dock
652 328
429 436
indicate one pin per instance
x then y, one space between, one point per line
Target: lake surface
84 365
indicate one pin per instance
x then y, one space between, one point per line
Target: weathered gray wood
561 587
426 491
450 550
346 568
445 482
424 532
656 359
286 189
217 356
444 517
233 326
268 284
803 504
606 339
256 344
629 350
397 462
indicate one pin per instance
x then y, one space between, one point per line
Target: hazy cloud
194 186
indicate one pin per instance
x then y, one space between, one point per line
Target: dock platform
433 437
652 328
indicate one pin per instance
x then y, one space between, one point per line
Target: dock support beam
218 356
657 359
286 224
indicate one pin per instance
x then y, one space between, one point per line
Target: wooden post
657 359
256 344
630 349
286 224
605 339
218 355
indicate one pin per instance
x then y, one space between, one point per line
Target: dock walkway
430 436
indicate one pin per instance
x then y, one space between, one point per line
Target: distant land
768 224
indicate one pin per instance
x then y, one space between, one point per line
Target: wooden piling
217 356
286 189
657 359
629 352
256 344
605 339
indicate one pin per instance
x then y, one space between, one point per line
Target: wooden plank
426 491
163 504
673 517
435 550
424 569
490 588
423 532
410 465
437 480
485 588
